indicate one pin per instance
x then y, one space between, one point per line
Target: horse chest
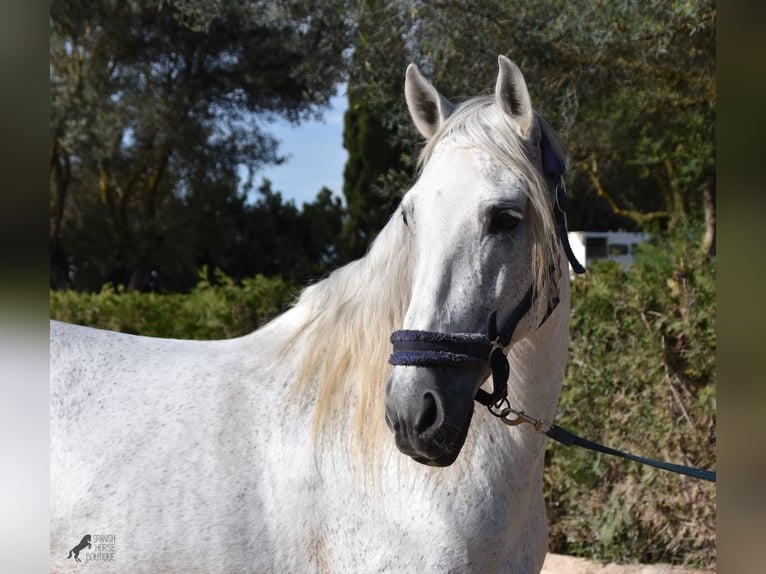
471 517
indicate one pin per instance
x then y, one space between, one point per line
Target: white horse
271 452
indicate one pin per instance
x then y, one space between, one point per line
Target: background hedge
216 308
640 377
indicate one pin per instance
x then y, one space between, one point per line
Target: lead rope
512 417
497 403
431 349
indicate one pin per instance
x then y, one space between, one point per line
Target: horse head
483 238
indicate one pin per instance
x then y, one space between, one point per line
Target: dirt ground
560 564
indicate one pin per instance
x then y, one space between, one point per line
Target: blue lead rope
465 350
567 438
433 349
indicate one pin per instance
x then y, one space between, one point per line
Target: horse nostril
428 415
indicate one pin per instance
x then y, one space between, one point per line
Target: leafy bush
641 378
213 310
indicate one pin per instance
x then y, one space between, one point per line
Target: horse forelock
480 123
343 342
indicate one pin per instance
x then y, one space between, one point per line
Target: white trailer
617 246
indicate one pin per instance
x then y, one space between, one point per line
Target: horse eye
504 222
404 218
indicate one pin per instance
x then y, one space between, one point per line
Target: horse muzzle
429 411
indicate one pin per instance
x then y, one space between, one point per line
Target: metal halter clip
503 409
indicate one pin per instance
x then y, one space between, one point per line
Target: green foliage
630 85
158 119
641 378
158 111
274 237
372 154
378 171
214 309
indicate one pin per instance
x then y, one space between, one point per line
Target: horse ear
512 95
428 108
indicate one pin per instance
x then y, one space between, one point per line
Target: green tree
156 105
276 238
639 104
630 85
321 224
378 168
373 157
641 377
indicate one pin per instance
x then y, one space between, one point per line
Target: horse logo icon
84 543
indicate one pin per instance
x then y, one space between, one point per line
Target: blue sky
315 155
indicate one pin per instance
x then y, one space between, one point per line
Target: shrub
641 378
213 310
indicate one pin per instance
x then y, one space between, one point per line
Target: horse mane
343 339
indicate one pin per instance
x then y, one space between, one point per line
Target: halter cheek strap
560 218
